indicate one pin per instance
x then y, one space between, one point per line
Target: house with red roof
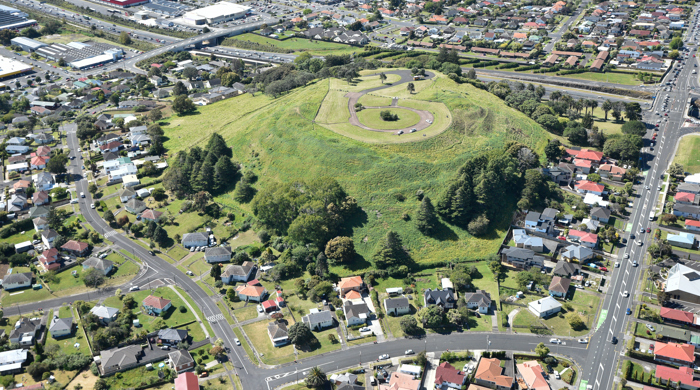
678 316
612 172
439 19
533 375
674 375
589 187
269 306
583 165
489 373
448 376
686 198
586 154
76 248
151 215
251 293
111 147
43 151
692 224
155 305
49 260
673 353
401 381
38 162
585 238
187 381
40 198
352 283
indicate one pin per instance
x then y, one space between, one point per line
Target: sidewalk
204 328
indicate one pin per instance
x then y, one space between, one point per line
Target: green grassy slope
279 141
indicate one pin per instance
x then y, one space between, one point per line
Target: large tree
93 278
183 105
57 164
340 250
316 378
390 252
300 334
426 220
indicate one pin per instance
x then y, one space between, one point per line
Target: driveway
373 321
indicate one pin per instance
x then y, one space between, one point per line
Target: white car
639 242
92 206
365 329
409 352
651 328
384 357
625 294
260 309
555 341
238 342
583 341
617 264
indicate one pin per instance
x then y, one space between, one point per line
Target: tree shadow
358 263
443 232
357 220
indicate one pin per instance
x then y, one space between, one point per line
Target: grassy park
688 154
371 118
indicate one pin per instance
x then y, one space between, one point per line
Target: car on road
641 230
649 229
237 341
614 340
151 253
617 264
625 294
639 242
583 341
384 356
82 194
628 312
92 206
634 264
409 352
555 341
134 288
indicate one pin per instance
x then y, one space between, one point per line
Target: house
675 354
61 327
544 307
38 162
217 254
352 283
180 360
601 214
584 238
18 202
355 313
523 240
688 187
683 283
11 361
683 240
126 194
541 222
103 265
677 316
277 331
397 306
48 236
684 375
151 215
39 211
401 381
40 198
40 223
251 293
43 181
21 186
76 248
444 298
686 211
24 332
522 258
344 378
318 320
187 381
480 300
610 171
489 373
533 375
135 206
238 273
105 314
49 260
447 377
119 359
586 187
686 198
172 336
156 305
18 280
665 332
194 239
566 269
559 286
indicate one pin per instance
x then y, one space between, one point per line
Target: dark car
614 340
151 253
648 230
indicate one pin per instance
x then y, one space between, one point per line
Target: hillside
280 142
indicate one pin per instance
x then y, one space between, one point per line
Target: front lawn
688 154
247 313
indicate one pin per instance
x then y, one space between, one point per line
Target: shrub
182 309
386 115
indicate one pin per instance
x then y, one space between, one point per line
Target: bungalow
533 375
586 187
355 313
522 258
217 254
172 336
11 361
584 238
686 211
612 172
238 273
103 265
25 331
126 194
489 373
119 359
277 331
251 293
194 239
61 327
677 316
180 360
683 240
187 381
156 305
112 146
688 187
317 320
480 300
670 376
559 286
397 306
40 223
76 248
523 240
134 206
692 224
447 377
352 283
601 214
566 269
686 198
38 162
18 280
18 202
675 354
40 198
444 298
544 307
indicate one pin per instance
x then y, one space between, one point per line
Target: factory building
220 12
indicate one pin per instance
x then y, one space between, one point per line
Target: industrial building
12 18
220 12
10 67
81 55
125 3
167 8
27 44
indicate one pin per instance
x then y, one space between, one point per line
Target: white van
651 216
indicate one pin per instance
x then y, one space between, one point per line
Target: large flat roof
9 67
222 8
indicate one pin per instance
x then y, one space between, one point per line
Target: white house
61 327
397 306
19 280
217 254
544 307
480 300
318 320
238 273
194 239
355 313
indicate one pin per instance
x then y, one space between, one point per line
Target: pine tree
444 204
205 178
224 172
426 221
321 265
390 252
217 146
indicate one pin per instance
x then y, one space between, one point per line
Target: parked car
651 328
583 341
409 352
555 341
384 356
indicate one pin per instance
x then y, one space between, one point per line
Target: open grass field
334 108
369 100
317 48
608 77
688 154
365 82
279 140
370 117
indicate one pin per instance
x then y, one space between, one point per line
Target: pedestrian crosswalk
111 233
215 318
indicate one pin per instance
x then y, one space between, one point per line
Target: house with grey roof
397 306
135 206
444 298
172 336
277 331
105 314
480 300
103 265
180 360
126 194
686 210
24 332
522 258
39 211
541 222
577 252
48 236
566 269
545 307
688 187
601 214
18 280
355 313
61 327
194 239
217 254
523 240
238 273
119 359
317 320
